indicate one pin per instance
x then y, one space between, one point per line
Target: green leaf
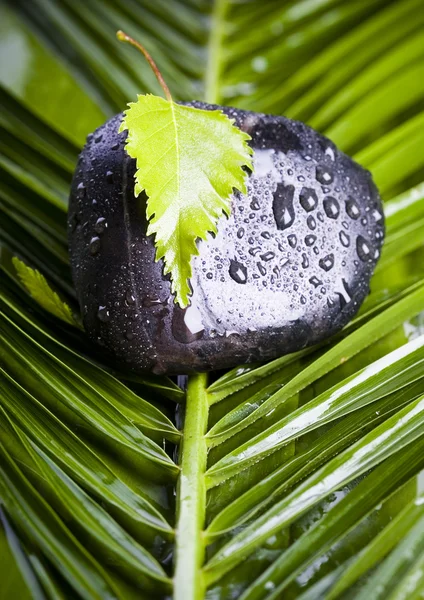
188 163
38 288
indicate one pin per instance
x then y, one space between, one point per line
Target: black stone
263 287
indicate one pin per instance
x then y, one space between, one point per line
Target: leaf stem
124 37
191 496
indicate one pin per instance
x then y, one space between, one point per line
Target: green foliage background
302 478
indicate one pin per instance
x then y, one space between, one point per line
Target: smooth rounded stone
289 268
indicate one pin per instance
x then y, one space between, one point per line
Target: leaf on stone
39 289
189 161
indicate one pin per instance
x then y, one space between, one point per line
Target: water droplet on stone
266 235
352 209
305 261
109 176
129 298
261 268
302 300
323 174
187 325
344 238
209 275
331 207
377 216
94 245
344 295
98 138
308 199
312 224
315 281
81 191
282 206
330 152
100 225
254 251
363 248
103 314
254 205
292 240
267 256
310 240
238 271
327 263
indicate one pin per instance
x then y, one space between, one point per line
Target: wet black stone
263 287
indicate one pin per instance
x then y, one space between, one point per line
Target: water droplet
310 240
312 224
129 298
100 225
266 235
352 209
282 206
109 176
98 138
209 275
315 281
292 240
238 271
302 300
103 314
345 295
81 191
116 146
149 301
377 216
267 256
261 268
187 325
254 251
331 207
305 261
254 205
330 152
94 245
323 174
129 335
344 238
308 199
364 249
327 263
